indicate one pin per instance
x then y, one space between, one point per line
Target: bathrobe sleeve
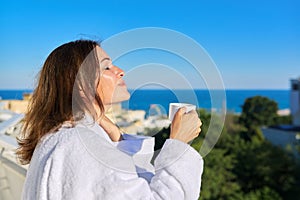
178 170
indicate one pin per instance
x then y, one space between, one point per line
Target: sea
157 100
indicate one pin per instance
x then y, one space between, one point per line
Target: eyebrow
104 59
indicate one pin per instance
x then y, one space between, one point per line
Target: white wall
296 119
295 102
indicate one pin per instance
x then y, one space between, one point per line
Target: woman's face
111 88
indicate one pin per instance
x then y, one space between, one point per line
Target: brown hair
56 98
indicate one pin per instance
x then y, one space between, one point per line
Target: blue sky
255 44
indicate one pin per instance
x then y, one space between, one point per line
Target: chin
120 96
124 97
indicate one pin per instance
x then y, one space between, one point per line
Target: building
17 106
286 137
129 121
295 101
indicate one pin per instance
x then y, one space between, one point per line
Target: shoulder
61 137
63 141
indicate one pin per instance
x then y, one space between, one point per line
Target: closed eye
106 63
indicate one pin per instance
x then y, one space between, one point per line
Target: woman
76 152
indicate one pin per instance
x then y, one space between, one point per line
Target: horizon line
18 89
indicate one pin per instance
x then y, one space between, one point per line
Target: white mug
174 107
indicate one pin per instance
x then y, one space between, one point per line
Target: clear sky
255 44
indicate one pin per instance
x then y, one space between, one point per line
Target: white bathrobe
83 163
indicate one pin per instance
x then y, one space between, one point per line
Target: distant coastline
142 99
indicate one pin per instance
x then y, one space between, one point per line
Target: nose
118 71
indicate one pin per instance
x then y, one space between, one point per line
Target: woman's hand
185 126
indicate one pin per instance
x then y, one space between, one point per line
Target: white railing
12 174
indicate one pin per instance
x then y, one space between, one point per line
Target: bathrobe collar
132 154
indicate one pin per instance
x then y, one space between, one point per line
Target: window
295 86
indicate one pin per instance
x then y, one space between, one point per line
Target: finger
193 111
199 123
198 131
182 110
178 115
194 116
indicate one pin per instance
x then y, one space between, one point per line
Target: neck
110 128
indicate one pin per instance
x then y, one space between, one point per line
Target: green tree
264 193
247 169
218 179
283 119
238 169
258 111
261 164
